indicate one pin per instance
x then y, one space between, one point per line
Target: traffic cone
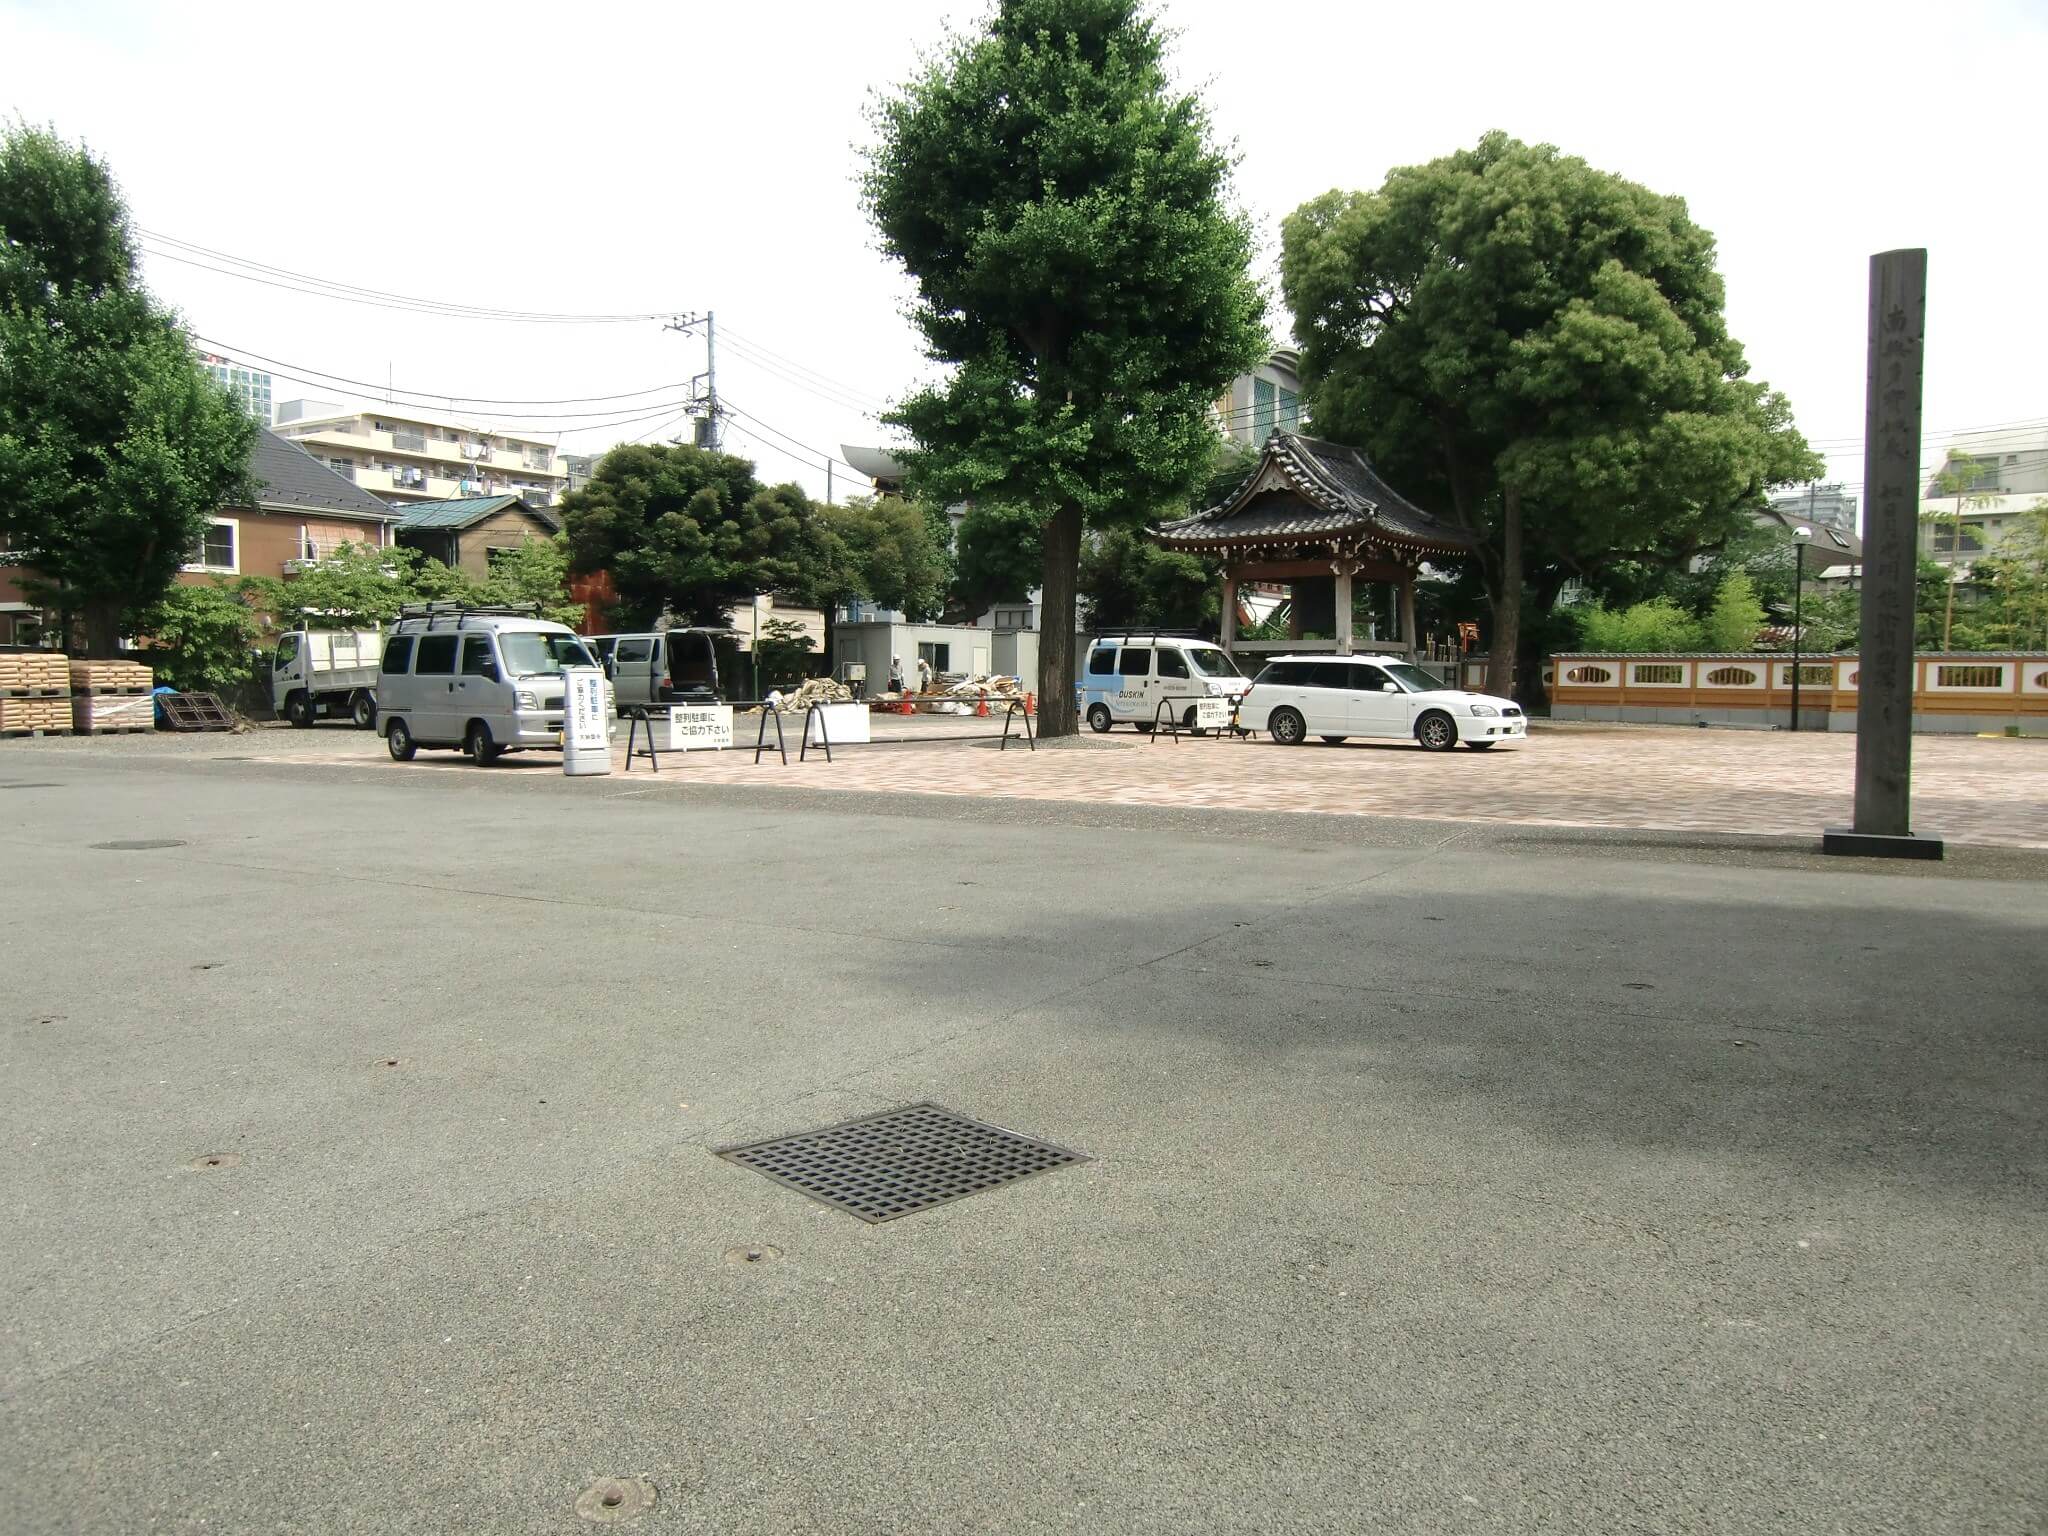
908 708
981 707
1030 703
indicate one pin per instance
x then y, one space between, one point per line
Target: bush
1658 625
1732 623
202 638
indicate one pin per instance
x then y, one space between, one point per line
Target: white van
1128 677
668 666
481 680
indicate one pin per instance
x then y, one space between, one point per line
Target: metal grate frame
880 1167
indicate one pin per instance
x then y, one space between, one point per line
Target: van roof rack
1127 635
433 613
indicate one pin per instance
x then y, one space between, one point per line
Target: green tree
1732 623
1958 477
783 654
114 447
1129 580
201 638
535 571
358 586
1536 348
890 552
1064 211
1656 625
1000 559
688 531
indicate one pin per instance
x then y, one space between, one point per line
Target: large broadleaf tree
1081 274
115 447
687 531
1537 349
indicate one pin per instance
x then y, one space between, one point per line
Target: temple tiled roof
1308 489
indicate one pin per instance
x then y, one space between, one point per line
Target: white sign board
698 727
1212 714
586 734
845 725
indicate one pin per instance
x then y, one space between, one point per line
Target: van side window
1283 674
436 656
1172 664
476 657
1135 661
1370 679
635 650
1341 674
1103 662
397 653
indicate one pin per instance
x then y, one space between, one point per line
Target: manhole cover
615 1498
138 844
888 1165
213 1160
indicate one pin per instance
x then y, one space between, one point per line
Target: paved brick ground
1967 790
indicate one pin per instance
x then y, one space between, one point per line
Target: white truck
326 672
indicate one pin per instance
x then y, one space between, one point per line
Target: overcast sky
608 158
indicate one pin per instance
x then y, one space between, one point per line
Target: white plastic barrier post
586 734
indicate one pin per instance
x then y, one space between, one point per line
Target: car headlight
1484 709
527 699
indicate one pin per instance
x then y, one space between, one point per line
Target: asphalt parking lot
1442 1175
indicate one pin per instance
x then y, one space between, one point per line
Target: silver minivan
480 680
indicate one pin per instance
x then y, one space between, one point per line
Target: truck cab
326 673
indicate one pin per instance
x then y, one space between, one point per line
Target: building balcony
429 452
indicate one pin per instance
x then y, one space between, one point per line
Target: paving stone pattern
1967 790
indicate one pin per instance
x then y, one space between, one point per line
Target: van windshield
1212 663
528 653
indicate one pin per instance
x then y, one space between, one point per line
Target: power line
314 379
807 448
845 401
301 282
769 356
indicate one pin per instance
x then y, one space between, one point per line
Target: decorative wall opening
1972 675
1591 676
1657 674
1731 677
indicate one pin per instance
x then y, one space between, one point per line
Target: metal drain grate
904 1160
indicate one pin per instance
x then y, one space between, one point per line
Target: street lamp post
1800 536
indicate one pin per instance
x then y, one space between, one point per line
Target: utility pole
828 482
707 434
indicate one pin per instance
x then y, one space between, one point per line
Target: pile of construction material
35 694
111 696
813 690
954 693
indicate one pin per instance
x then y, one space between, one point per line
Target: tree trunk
103 628
1056 713
1507 598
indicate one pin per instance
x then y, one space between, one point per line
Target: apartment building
1972 503
403 454
1266 400
249 386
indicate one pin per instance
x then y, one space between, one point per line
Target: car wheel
1142 727
478 744
365 713
1480 746
398 739
1287 727
1098 717
1437 731
299 710
1336 741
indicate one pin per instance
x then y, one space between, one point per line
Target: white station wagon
1333 697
